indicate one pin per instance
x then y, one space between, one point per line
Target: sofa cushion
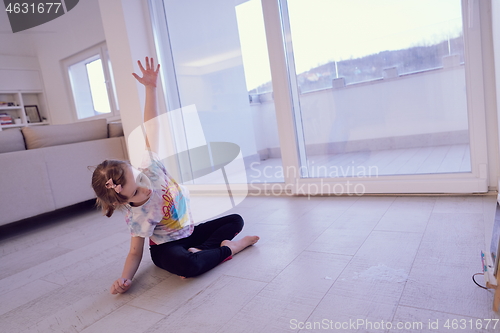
115 129
69 164
11 140
54 135
25 185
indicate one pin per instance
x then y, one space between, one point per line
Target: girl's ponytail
107 198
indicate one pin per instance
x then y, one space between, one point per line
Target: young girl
157 207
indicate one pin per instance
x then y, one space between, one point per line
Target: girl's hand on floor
149 75
120 286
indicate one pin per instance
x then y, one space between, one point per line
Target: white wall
19 73
18 44
67 35
129 38
19 67
51 42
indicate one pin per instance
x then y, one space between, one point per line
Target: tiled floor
352 262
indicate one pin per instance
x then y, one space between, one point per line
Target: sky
326 30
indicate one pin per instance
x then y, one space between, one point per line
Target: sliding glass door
381 86
331 96
216 64
383 96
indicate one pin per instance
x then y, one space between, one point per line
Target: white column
129 38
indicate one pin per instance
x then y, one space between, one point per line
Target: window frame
101 52
475 181
277 36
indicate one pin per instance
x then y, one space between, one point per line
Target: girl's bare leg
239 245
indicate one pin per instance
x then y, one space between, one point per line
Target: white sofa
44 168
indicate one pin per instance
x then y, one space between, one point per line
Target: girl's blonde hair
107 198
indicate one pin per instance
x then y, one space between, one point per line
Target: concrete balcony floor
409 161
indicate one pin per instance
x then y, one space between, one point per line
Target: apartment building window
90 79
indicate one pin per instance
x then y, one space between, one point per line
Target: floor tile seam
70 249
268 283
397 231
247 302
119 308
329 289
181 304
248 279
317 203
364 241
329 226
221 329
55 245
28 234
47 262
444 312
286 266
33 300
80 225
415 257
141 308
101 266
33 327
385 213
57 284
358 299
455 213
326 226
19 271
337 254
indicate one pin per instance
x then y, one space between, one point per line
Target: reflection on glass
221 67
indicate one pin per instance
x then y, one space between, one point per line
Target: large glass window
382 87
92 87
215 62
384 94
359 40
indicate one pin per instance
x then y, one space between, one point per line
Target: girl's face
138 187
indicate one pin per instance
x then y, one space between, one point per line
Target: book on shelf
7 103
6 119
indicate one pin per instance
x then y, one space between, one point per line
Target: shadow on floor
51 218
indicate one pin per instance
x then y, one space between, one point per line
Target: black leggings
175 257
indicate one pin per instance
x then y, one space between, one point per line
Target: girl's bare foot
239 245
193 250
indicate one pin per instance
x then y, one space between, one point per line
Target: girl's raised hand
149 75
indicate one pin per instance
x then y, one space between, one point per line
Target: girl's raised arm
149 79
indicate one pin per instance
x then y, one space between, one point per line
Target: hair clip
110 184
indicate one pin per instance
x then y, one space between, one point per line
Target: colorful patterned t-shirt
166 216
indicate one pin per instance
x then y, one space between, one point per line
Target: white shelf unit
21 99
